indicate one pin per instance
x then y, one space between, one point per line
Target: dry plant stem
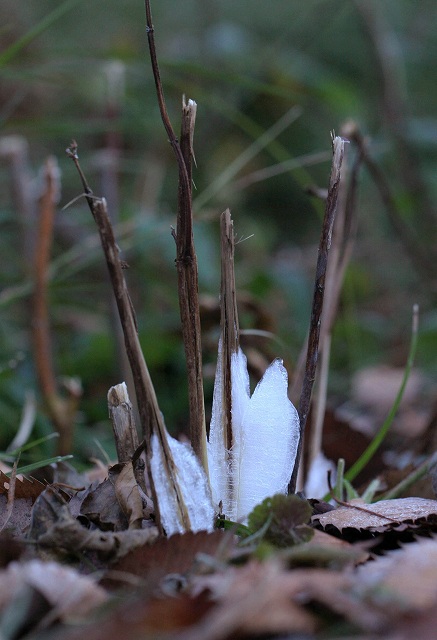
123 423
348 230
229 318
389 57
317 306
150 415
341 250
61 411
186 260
188 290
420 258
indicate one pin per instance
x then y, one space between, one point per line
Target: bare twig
420 257
389 57
186 259
319 290
61 410
228 319
150 415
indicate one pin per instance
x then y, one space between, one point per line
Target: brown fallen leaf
175 555
263 598
71 595
381 516
53 527
27 488
102 508
407 577
127 493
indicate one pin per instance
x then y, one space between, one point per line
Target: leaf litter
197 585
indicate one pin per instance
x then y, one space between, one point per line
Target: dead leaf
263 598
141 618
127 493
385 515
53 527
324 550
71 595
24 487
101 507
174 555
407 577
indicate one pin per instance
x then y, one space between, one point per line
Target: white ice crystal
316 485
265 430
193 484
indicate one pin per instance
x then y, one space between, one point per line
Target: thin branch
317 306
186 260
228 319
420 258
389 58
188 290
61 410
150 414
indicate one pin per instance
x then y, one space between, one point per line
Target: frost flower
193 485
265 434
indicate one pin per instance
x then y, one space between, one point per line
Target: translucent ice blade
193 484
240 402
216 442
316 485
269 439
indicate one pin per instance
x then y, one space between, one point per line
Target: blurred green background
80 69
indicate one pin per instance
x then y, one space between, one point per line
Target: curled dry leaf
101 508
53 527
127 493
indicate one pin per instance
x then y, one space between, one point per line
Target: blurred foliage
80 70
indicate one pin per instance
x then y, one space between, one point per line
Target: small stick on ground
186 260
317 306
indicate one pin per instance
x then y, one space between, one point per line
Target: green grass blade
37 465
367 455
44 24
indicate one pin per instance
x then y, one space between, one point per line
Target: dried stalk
228 318
186 260
150 415
123 423
61 410
420 257
341 250
317 306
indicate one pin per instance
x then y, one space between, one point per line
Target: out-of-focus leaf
288 516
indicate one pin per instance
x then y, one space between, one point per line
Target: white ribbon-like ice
265 430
